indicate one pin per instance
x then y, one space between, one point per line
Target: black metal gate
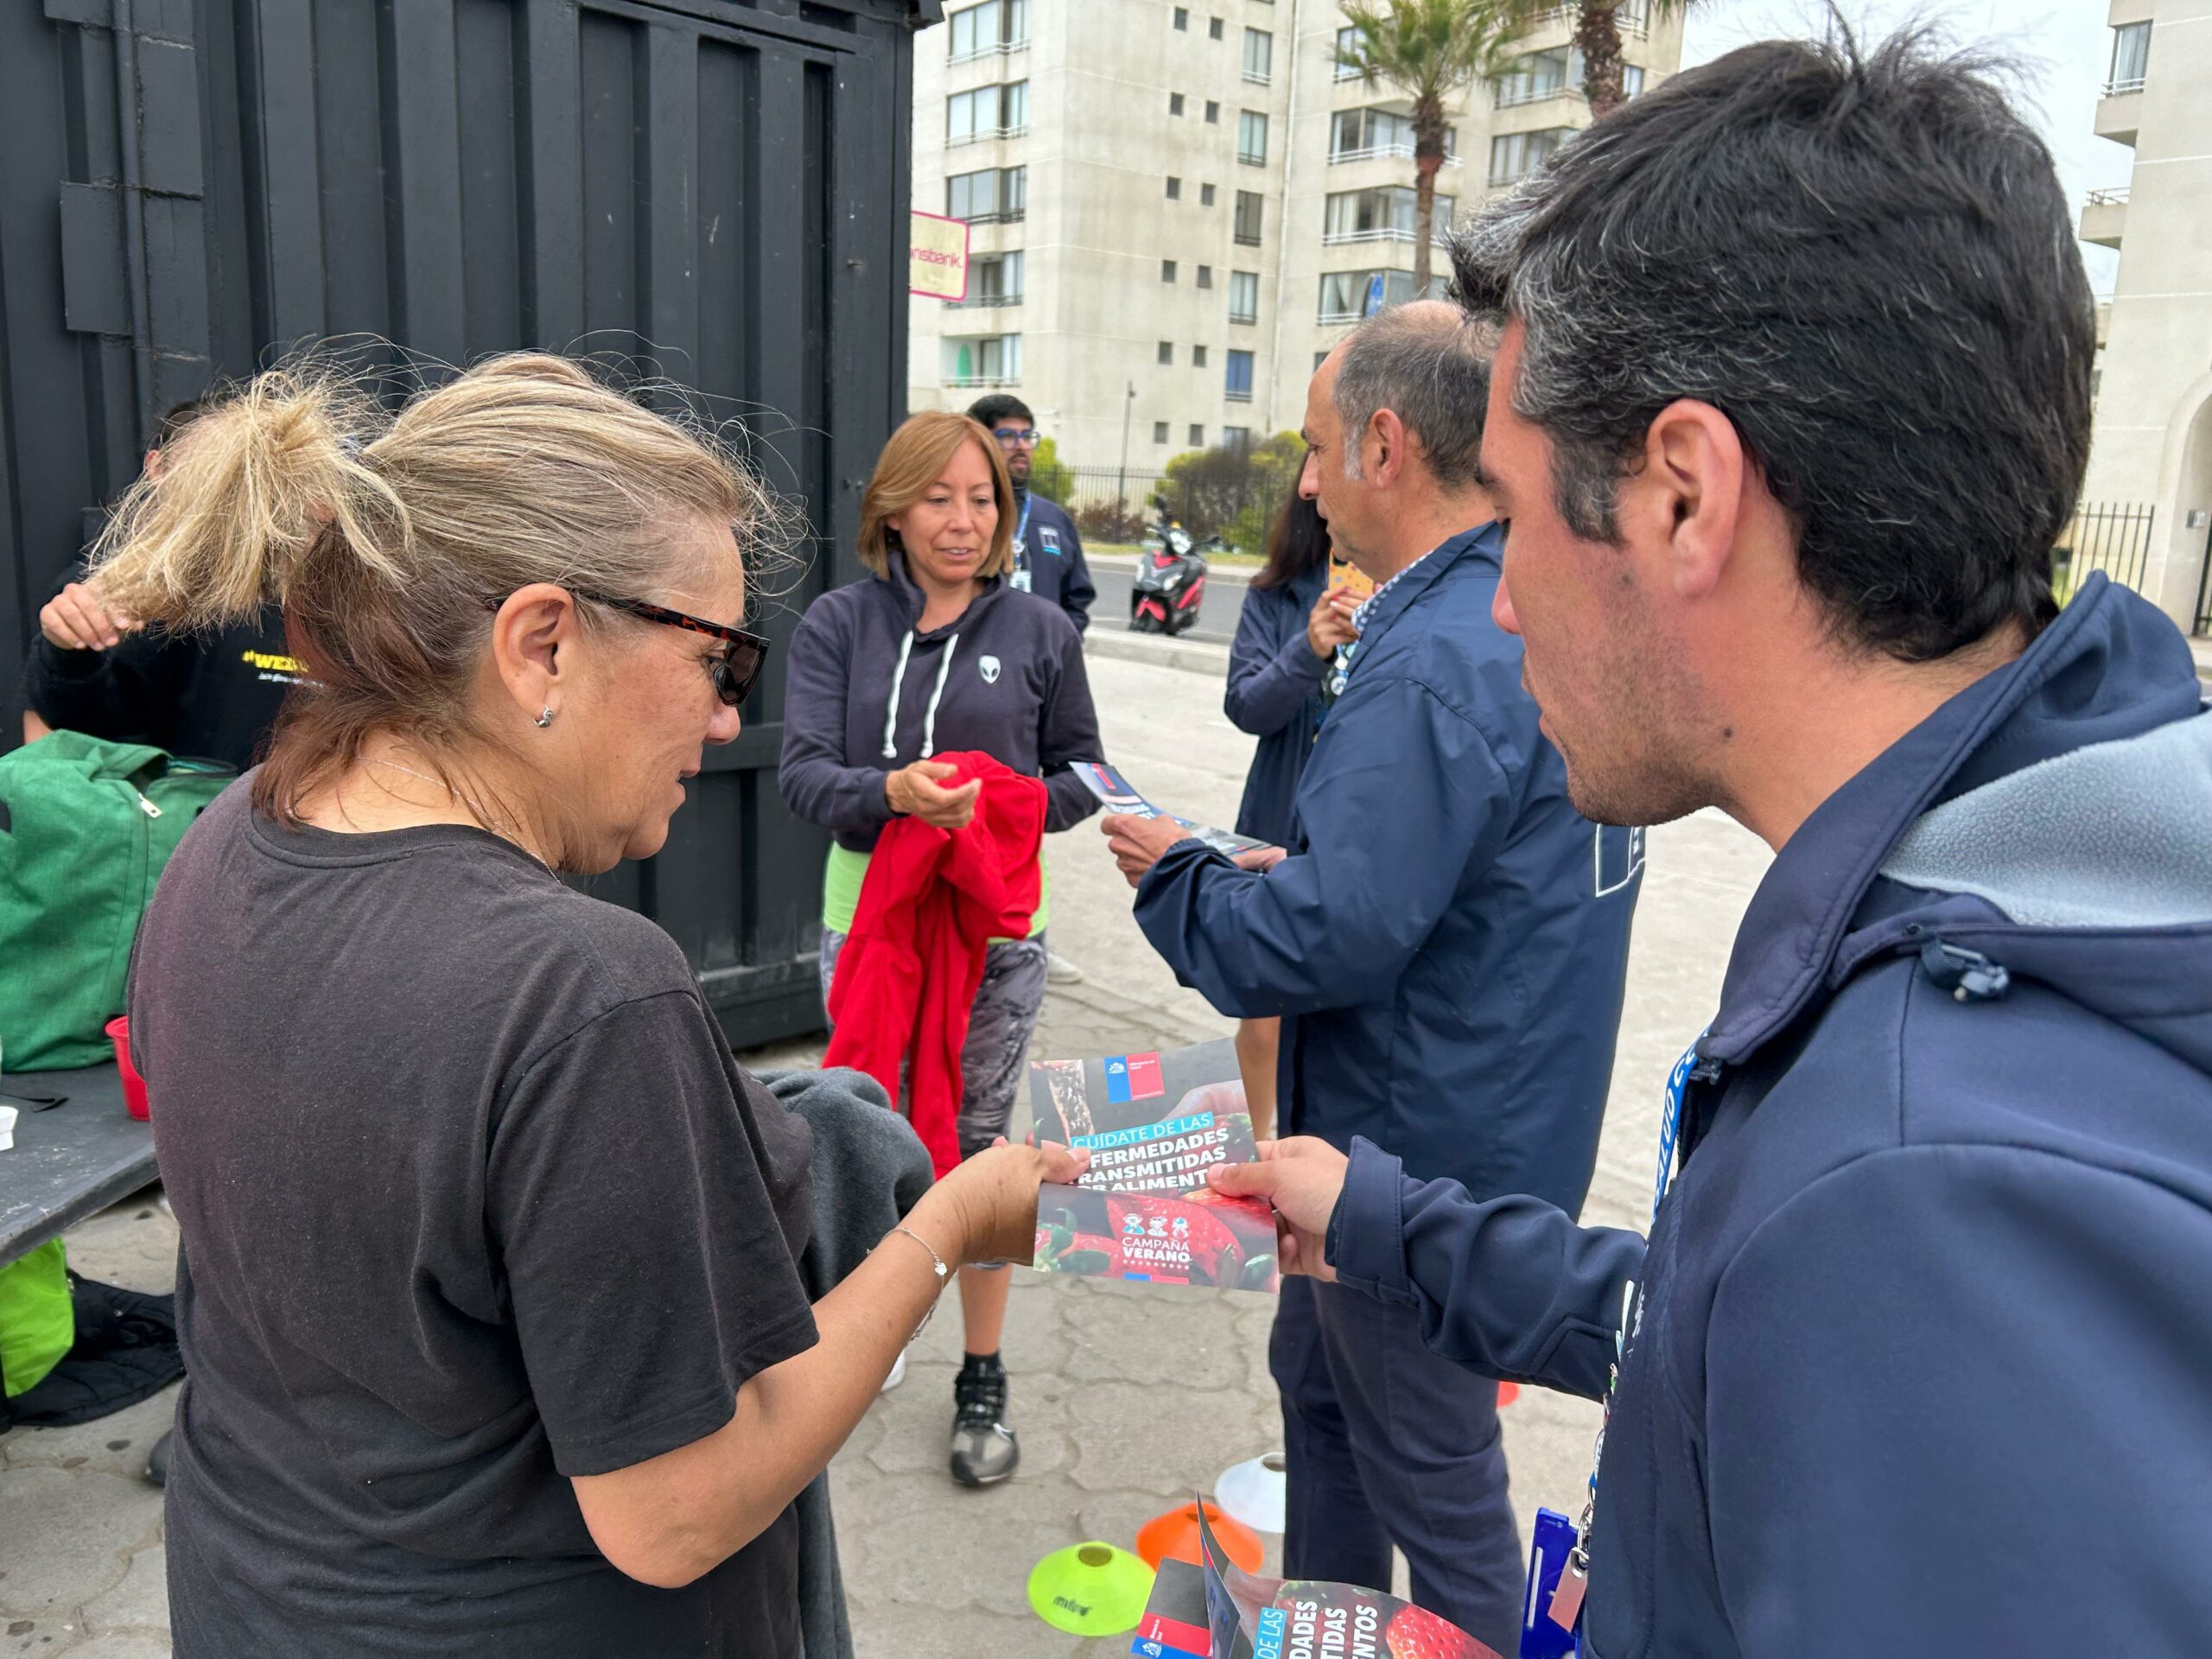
193 187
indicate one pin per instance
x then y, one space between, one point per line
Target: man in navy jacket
1446 945
1792 403
1048 553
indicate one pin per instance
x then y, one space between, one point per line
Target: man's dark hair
987 412
1430 365
180 415
1863 259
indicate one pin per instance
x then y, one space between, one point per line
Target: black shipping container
716 189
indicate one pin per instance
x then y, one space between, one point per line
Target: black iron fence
2114 537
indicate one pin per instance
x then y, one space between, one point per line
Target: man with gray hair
1446 944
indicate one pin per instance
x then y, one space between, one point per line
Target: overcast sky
2065 45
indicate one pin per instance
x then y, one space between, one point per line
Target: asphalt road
1218 609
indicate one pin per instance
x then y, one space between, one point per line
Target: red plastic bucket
133 1086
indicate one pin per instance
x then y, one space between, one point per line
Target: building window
986 112
1174 103
1238 382
1238 440
996 195
1348 295
1205 276
1159 431
1198 436
993 279
2131 57
1259 56
1515 156
1205 195
1383 215
1252 137
992 360
1347 38
1213 112
1631 81
1167 270
994 26
1166 356
1243 296
1248 217
1538 76
1213 28
1320 357
1182 17
1197 357
1174 189
1362 135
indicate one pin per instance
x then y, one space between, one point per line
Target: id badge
1019 581
1549 1621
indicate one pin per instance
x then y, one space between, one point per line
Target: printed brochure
1214 1610
1153 1124
1121 796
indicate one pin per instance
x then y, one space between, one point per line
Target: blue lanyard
1670 1131
1021 529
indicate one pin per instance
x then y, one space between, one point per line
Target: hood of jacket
2053 820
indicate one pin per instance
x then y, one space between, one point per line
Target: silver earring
545 719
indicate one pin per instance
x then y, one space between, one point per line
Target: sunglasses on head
1026 434
734 672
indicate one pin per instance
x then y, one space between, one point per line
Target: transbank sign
1133 1077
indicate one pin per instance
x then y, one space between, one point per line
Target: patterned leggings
1002 1020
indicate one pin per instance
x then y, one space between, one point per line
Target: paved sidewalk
1127 1398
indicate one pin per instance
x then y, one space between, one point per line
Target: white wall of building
1099 146
2153 438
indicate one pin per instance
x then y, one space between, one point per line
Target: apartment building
2153 433
1176 209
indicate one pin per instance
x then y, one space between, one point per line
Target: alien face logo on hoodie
990 667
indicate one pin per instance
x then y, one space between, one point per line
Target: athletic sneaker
897 1373
1058 970
984 1450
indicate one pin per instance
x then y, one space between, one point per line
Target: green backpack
86 827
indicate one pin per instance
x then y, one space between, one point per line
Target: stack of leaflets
1153 1124
1121 796
1215 1610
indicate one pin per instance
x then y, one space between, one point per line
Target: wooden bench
70 1160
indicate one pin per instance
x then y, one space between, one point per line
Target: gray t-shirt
472 1198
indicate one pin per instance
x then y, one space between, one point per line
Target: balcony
986 135
1382 152
1382 233
996 49
1635 24
979 382
983 303
2119 111
2105 216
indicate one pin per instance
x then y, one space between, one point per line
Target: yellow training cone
1091 1589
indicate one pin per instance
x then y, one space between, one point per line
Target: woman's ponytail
265 478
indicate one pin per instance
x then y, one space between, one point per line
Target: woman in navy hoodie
935 653
1288 631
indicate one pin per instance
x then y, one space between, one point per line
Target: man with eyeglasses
1047 552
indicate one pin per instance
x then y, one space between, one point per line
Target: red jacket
907 978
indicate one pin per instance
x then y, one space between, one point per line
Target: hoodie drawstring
891 717
937 696
936 693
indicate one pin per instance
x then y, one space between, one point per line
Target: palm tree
1597 37
1429 50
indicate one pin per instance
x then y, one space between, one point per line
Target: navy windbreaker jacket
1054 555
1275 693
1922 1361
1447 946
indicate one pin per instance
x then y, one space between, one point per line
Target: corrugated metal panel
711 191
